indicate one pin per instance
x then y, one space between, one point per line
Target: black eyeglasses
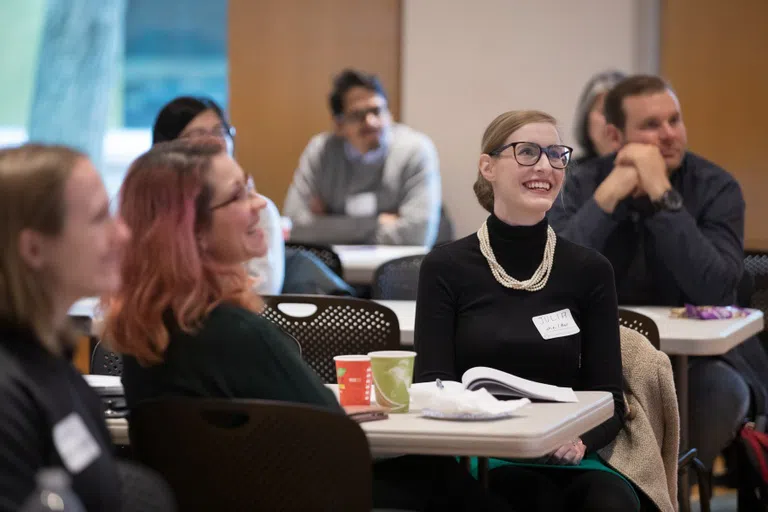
529 153
358 116
220 131
246 192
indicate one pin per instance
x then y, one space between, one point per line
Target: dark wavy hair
179 112
348 79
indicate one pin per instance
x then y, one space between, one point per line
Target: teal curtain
78 64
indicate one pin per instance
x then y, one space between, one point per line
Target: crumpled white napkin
455 399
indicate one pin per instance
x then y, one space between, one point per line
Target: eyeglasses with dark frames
358 116
529 153
221 131
243 193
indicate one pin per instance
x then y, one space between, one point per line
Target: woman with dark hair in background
189 117
590 121
279 270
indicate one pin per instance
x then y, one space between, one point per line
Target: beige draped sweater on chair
646 450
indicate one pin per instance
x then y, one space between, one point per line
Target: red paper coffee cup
353 374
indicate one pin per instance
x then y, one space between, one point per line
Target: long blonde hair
32 182
497 132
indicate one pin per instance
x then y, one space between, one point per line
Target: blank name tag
75 444
556 325
361 205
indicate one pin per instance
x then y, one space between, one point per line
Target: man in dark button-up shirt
672 225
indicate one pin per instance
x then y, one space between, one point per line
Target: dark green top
235 354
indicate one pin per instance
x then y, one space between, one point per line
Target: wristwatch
670 201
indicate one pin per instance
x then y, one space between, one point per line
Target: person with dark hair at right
591 133
672 225
369 181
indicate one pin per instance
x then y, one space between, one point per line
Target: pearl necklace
539 278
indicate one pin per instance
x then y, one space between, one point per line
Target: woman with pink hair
187 319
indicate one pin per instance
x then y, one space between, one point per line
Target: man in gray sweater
371 181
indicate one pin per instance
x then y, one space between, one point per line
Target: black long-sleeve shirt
465 318
694 255
50 417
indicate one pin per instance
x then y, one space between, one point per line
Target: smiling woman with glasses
529 153
192 118
482 301
189 324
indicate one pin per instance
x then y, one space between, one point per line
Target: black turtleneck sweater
465 318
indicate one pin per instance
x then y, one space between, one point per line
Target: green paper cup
392 378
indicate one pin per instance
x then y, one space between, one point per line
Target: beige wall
465 62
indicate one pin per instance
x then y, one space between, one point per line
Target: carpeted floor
724 501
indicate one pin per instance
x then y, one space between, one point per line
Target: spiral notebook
506 386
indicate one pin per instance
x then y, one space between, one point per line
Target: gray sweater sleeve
419 208
323 229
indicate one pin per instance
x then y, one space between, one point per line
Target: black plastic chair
397 279
642 324
338 325
648 328
221 454
143 489
324 252
81 324
445 230
756 265
105 362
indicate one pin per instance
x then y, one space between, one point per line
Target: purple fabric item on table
709 312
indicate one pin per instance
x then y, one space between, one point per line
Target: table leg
680 366
482 471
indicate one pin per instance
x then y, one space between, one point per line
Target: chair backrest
324 252
397 279
445 230
104 362
292 338
81 324
756 264
642 324
337 325
219 454
143 489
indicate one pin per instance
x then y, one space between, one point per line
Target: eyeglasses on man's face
529 153
360 115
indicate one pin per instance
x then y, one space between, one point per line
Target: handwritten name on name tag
75 444
556 325
361 205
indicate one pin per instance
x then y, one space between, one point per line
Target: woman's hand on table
569 454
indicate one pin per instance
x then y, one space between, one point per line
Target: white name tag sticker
361 205
556 325
75 444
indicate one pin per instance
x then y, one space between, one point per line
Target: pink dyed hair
164 200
